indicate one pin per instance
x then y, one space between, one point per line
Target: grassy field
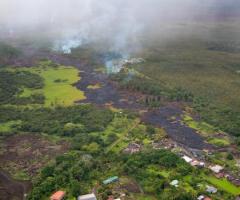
225 185
94 87
220 142
203 128
8 126
58 85
120 127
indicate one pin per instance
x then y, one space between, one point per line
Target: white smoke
121 23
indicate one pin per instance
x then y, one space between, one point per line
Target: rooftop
216 168
58 195
174 183
207 198
187 159
87 197
201 197
110 180
211 189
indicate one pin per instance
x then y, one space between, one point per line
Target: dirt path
136 123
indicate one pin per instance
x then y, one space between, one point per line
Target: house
211 189
87 197
110 198
203 198
216 168
187 159
202 164
59 195
132 148
174 183
110 180
207 198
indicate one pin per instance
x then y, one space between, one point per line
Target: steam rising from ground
121 23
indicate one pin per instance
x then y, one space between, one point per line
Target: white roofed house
87 197
187 159
175 183
201 197
216 168
211 189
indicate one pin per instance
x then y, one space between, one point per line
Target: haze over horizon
119 22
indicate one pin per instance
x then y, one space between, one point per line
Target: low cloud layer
120 22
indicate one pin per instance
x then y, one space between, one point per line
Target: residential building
211 189
174 183
87 197
110 180
59 195
216 168
187 159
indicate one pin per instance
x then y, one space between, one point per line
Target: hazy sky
35 12
116 20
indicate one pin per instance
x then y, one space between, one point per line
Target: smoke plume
122 24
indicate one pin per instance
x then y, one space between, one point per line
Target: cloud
120 22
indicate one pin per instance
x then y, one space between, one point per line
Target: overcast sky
117 20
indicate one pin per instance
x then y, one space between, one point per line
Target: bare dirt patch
12 189
24 154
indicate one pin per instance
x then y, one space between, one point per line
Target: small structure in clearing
87 197
216 168
111 180
187 159
59 195
174 183
211 189
202 197
132 148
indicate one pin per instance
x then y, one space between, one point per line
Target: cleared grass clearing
203 128
156 170
8 126
58 85
94 87
220 142
121 142
26 92
224 184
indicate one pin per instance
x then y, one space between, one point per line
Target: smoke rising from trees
121 22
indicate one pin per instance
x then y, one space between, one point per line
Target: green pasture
59 86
